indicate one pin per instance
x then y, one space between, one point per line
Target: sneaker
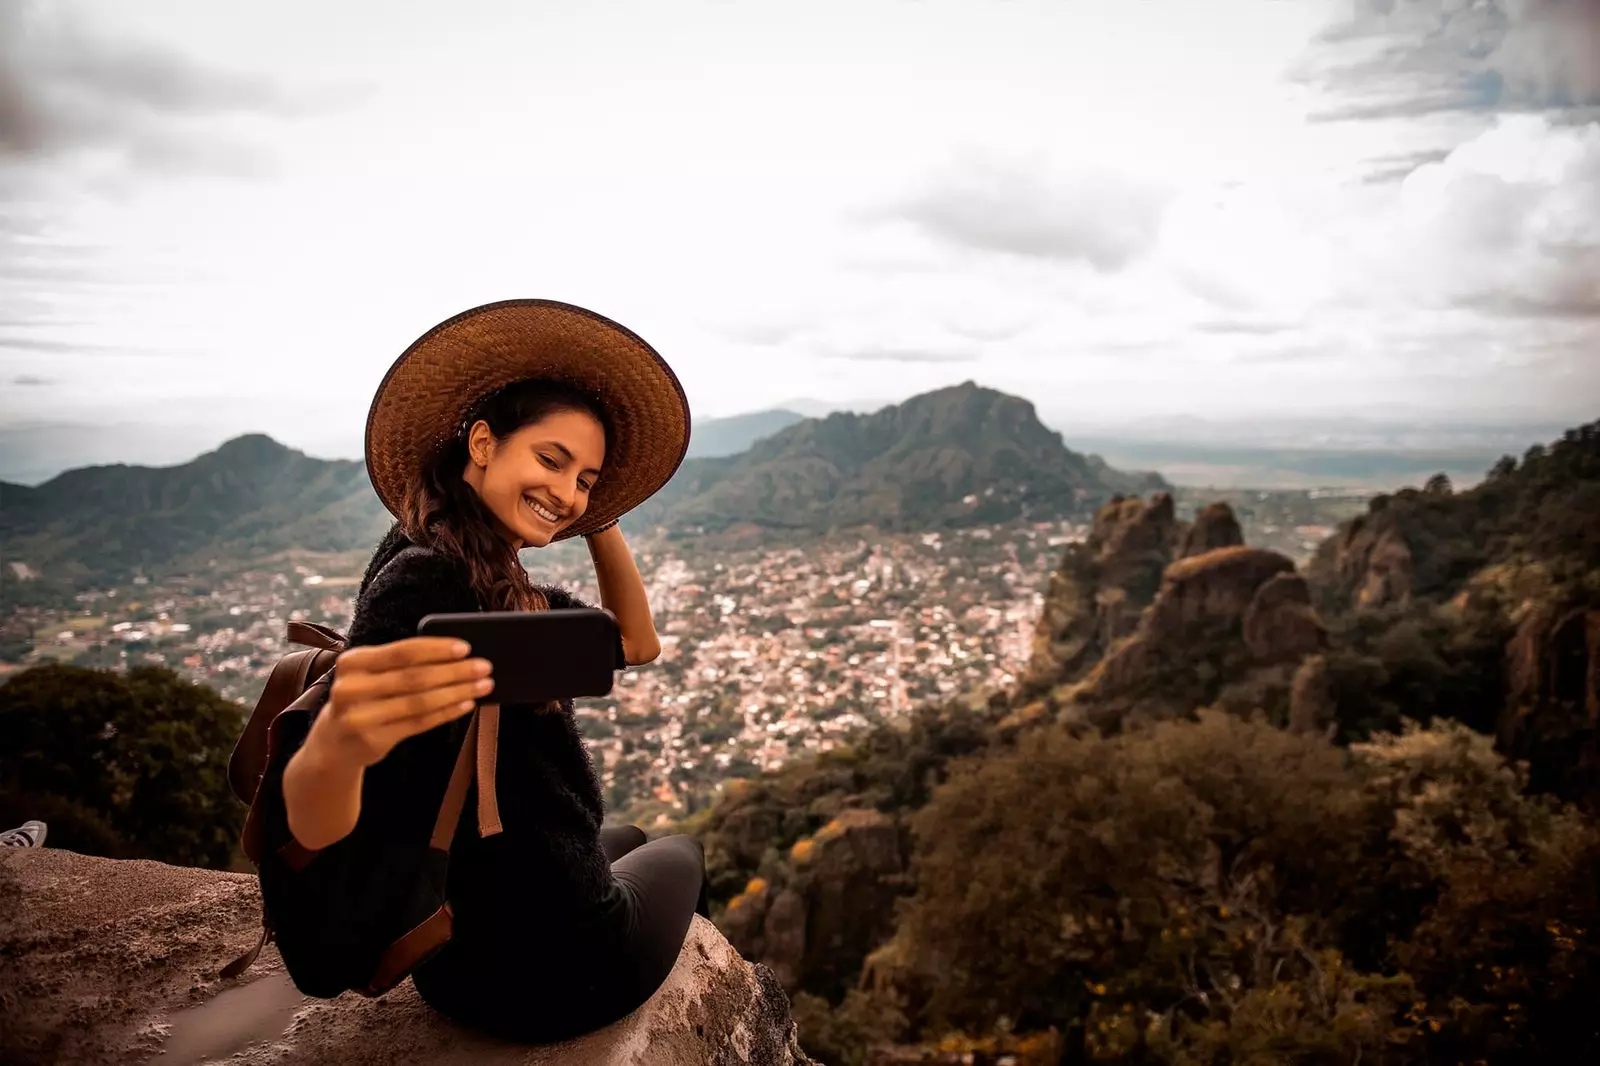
27 835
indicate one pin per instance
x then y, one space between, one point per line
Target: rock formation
1214 526
1280 623
1217 617
1553 686
1311 704
1097 594
1367 561
838 904
116 961
1213 590
1140 595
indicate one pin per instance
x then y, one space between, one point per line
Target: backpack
297 687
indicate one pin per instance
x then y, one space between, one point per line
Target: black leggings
666 879
655 877
662 887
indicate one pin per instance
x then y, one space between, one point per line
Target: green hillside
957 456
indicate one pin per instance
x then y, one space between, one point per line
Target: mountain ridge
959 455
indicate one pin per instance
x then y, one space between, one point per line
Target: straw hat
435 383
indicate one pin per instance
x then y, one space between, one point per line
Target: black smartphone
539 656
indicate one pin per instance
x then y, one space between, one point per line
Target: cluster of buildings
767 653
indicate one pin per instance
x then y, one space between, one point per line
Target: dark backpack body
414 921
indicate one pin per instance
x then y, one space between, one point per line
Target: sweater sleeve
336 910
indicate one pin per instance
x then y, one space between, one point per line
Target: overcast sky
217 218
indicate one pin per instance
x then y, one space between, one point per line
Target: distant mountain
957 456
729 436
251 495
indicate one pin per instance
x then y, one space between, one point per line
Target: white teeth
542 511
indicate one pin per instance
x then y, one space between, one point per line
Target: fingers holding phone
384 693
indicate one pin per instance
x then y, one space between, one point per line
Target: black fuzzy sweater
542 886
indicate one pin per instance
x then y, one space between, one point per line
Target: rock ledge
116 961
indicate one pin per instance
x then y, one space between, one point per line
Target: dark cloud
30 380
64 87
1402 58
1395 167
56 346
1101 219
1578 300
46 344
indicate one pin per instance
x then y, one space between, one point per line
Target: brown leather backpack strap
432 933
455 793
250 839
405 954
487 751
314 635
243 962
284 685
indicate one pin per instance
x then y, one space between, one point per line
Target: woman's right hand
384 693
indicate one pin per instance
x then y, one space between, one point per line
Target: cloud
904 355
758 333
1508 223
1551 52
64 88
1387 168
31 380
1027 209
54 345
1246 327
1403 58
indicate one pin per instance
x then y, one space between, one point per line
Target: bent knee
688 845
679 853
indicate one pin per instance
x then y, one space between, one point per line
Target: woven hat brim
435 382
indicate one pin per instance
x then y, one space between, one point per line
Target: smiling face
537 480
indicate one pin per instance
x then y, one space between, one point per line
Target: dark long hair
441 511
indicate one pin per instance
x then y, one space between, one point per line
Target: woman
507 427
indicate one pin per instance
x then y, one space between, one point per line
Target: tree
124 765
1220 892
1162 870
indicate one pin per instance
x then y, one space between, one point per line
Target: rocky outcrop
1213 590
1312 708
1553 690
1132 541
1553 663
1367 563
1280 624
1096 596
837 905
116 961
1217 617
1146 596
1214 526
